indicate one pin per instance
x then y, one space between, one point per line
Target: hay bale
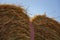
13 23
46 28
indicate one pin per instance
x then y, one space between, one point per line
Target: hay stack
46 28
13 23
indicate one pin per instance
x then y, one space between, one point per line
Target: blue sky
34 7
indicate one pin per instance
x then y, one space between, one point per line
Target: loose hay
13 23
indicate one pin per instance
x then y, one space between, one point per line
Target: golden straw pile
46 28
14 25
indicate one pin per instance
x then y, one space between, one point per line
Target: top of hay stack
13 23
